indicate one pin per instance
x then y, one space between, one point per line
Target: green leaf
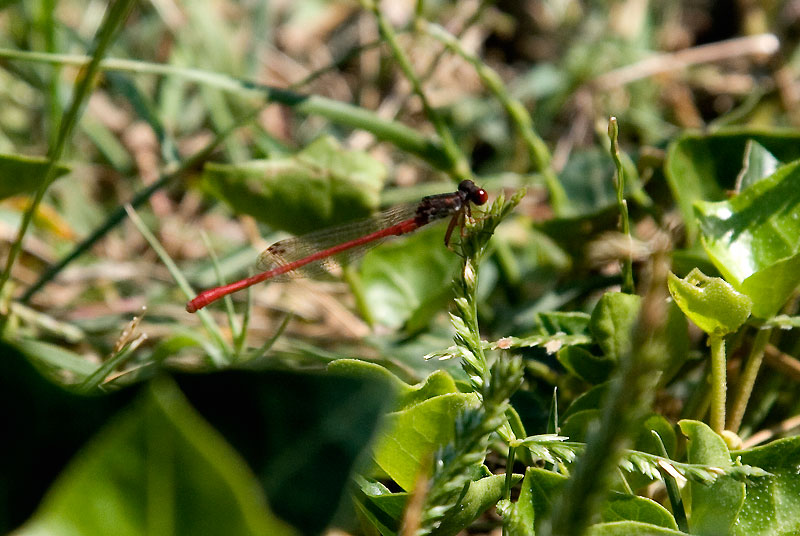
772 502
481 495
587 400
159 468
410 436
588 181
759 163
320 186
630 528
49 426
385 510
55 357
377 506
710 302
754 239
624 507
613 319
715 507
576 424
409 280
676 343
645 441
288 426
703 167
256 411
437 383
540 486
23 174
571 323
583 364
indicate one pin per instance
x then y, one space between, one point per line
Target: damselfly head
473 193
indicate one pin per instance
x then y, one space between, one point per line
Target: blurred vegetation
622 287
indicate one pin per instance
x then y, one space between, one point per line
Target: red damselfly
317 248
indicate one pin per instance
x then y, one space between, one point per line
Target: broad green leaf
159 468
677 343
543 486
288 426
715 507
378 508
709 302
630 528
409 280
384 509
23 174
702 167
645 441
410 436
585 365
772 503
55 357
320 186
612 321
754 238
481 495
576 425
540 487
624 507
590 399
437 383
759 163
256 411
49 425
571 323
588 181
521 516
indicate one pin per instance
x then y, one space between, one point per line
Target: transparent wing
299 247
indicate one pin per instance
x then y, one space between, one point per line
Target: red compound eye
473 193
479 197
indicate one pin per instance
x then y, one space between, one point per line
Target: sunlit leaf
701 167
410 436
714 507
772 502
540 487
754 238
759 163
320 186
437 383
23 174
710 302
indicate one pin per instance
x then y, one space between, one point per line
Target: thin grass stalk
114 17
520 118
118 214
627 403
402 136
184 286
627 264
459 166
748 379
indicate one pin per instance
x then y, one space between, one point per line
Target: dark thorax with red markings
435 207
